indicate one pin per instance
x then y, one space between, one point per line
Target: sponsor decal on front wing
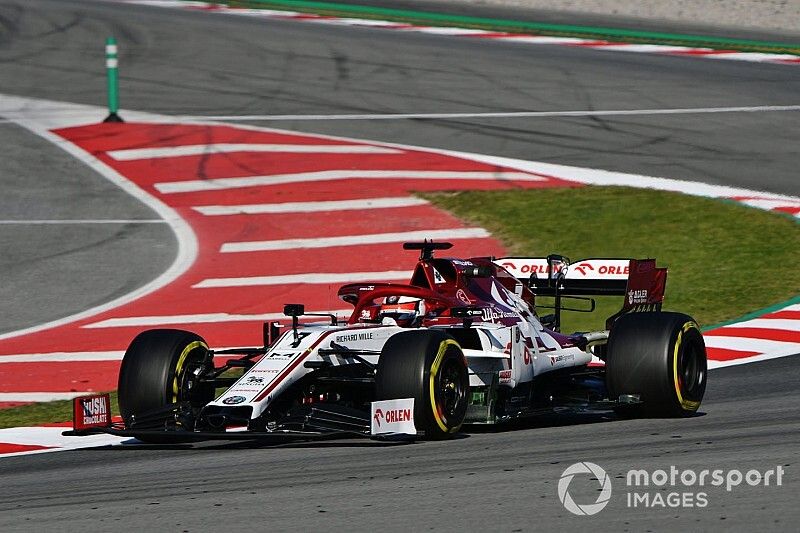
393 417
91 411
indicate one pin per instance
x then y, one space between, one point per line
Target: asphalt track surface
505 481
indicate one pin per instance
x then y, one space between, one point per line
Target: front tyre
661 357
429 366
160 368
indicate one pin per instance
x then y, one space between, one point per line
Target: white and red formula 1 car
462 343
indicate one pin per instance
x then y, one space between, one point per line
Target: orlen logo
584 269
392 415
531 269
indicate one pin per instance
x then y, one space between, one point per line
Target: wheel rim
692 372
451 391
188 380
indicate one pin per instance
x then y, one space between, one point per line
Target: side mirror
294 310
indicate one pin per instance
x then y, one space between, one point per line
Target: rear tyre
158 369
661 357
429 366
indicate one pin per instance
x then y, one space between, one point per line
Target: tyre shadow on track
538 422
253 444
559 420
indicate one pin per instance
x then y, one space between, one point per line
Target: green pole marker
113 81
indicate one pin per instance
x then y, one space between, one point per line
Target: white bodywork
513 354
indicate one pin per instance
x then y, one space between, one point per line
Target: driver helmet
404 311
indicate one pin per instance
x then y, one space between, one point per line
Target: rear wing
639 280
589 277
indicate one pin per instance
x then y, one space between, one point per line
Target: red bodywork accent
91 412
443 284
646 284
367 297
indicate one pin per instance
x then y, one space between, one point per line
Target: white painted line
328 175
752 56
51 436
210 149
793 307
169 3
746 344
311 278
38 397
202 318
62 357
79 221
310 207
776 354
364 22
594 176
443 30
354 240
466 32
767 323
263 13
508 114
354 22
43 116
645 48
541 39
769 204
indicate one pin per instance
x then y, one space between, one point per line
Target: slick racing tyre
660 357
158 369
430 367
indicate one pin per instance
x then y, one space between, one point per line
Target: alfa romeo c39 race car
462 343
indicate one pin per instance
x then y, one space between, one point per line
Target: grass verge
725 259
43 413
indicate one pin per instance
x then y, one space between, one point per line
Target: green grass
43 413
61 411
725 259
